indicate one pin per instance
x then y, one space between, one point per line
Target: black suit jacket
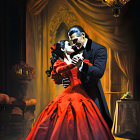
90 76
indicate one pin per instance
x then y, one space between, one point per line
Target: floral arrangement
23 71
126 96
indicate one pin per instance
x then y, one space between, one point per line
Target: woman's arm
59 69
65 68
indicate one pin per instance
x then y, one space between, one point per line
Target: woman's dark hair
77 29
56 53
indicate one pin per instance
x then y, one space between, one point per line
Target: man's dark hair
77 29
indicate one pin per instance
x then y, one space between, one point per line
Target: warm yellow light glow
116 5
19 71
109 1
113 3
27 72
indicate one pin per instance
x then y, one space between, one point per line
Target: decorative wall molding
62 15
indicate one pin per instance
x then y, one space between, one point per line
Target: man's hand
77 60
65 82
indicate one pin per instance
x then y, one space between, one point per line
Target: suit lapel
87 50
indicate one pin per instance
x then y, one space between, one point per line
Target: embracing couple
80 112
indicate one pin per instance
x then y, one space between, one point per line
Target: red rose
53 48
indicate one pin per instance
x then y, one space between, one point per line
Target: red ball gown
72 115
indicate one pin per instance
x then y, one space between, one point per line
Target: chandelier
116 5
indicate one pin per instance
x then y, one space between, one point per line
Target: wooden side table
126 122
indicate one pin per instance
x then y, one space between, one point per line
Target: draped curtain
125 62
98 22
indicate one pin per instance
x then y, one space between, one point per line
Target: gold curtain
98 22
38 55
126 62
36 6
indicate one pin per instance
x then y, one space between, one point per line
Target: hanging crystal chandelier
116 5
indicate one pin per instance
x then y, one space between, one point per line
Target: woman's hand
77 60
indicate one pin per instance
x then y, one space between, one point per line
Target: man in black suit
90 75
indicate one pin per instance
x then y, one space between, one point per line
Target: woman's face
68 48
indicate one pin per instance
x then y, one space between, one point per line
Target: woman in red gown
72 115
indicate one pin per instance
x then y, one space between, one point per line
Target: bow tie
77 51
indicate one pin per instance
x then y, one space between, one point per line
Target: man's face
77 40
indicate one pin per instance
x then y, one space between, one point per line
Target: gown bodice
63 70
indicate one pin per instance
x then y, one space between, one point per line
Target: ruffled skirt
71 116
